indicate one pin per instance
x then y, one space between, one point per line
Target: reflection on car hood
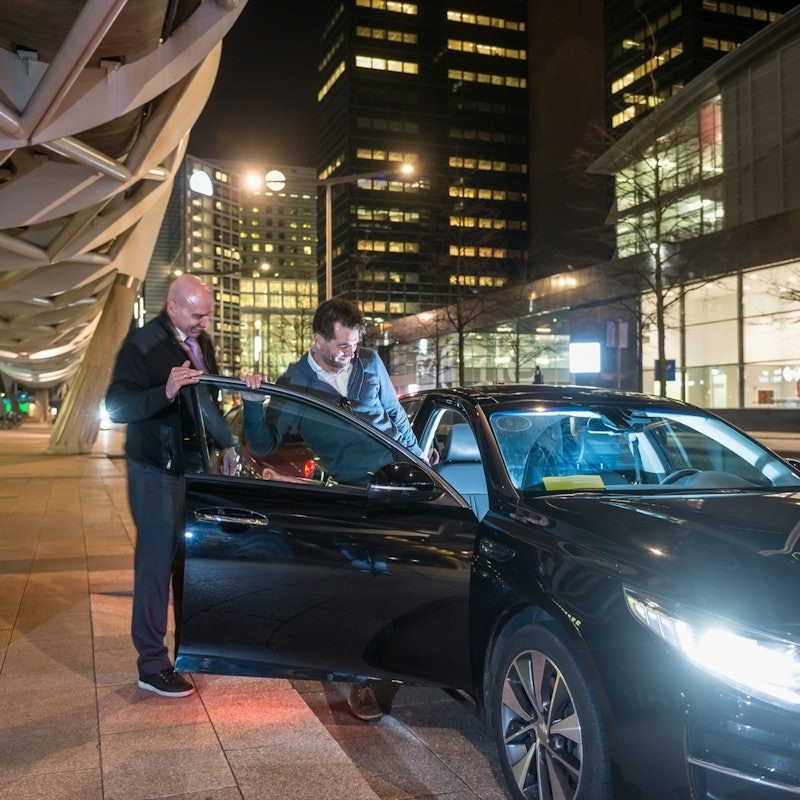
736 555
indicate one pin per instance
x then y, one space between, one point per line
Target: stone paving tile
226 793
111 614
126 709
179 760
261 777
48 734
67 660
115 662
265 718
430 746
78 784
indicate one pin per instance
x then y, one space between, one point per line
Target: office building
278 283
655 47
443 88
250 233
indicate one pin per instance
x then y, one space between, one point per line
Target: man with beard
340 372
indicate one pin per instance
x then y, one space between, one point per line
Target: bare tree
667 193
526 349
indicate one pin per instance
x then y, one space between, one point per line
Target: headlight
760 665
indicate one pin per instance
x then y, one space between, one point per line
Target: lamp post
329 183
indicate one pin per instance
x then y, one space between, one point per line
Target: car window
411 406
296 441
564 449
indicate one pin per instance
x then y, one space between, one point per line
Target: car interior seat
604 449
553 453
460 465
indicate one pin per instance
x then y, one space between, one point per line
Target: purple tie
194 353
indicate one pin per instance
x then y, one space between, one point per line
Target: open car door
337 555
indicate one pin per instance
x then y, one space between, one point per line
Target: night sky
262 106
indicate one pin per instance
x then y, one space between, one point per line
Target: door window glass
295 441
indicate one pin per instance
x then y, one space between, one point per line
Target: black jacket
137 396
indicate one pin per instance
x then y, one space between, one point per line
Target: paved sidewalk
74 726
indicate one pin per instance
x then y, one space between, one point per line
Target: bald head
189 304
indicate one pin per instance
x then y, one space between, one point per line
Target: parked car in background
612 581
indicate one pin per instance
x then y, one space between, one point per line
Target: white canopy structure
97 99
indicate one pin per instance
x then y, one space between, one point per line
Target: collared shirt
339 379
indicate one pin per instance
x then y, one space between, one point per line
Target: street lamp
329 183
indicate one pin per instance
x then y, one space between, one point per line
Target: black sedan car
610 579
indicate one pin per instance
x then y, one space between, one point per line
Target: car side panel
326 581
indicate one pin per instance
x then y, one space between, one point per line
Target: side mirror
403 481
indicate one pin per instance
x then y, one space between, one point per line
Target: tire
545 720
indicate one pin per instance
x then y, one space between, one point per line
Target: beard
336 363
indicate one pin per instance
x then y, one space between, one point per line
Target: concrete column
78 421
42 404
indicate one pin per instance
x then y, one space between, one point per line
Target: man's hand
253 382
230 461
184 375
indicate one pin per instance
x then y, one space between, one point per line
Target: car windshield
571 449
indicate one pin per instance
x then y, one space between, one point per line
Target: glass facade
508 352
737 344
278 286
707 262
673 192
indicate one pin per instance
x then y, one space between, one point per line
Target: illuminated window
481 77
326 59
723 45
383 34
646 68
761 14
337 73
389 5
489 22
387 65
380 246
485 49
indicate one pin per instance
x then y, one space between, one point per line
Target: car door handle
237 516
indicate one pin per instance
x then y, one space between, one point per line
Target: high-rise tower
655 47
442 87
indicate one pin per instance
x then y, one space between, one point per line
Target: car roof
500 394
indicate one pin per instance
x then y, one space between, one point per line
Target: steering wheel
675 476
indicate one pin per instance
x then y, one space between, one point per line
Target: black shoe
363 703
167 683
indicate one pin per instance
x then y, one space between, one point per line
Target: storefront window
713 387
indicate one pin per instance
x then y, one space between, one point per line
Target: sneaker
167 683
363 703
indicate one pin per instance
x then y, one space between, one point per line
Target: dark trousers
157 505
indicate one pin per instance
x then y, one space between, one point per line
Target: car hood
735 555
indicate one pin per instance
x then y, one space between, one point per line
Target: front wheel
546 721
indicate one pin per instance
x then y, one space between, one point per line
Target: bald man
153 365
